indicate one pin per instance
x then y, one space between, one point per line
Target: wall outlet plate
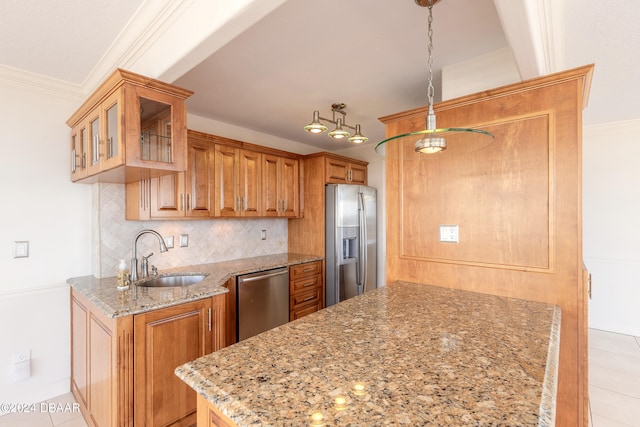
184 240
168 241
449 233
21 249
263 234
21 356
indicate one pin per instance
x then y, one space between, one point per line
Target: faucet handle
154 270
146 258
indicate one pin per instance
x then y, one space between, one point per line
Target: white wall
611 229
41 205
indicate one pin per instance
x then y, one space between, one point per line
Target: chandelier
432 140
317 126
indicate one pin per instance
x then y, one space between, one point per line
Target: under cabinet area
122 369
131 127
306 289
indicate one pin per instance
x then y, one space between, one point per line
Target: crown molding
148 24
21 78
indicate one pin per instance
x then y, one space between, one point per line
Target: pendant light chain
430 90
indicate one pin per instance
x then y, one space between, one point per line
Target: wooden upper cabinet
226 179
130 128
250 183
341 171
281 186
186 194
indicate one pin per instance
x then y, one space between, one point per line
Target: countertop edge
547 416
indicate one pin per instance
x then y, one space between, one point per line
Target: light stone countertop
423 355
103 293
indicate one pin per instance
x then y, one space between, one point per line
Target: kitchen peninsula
404 354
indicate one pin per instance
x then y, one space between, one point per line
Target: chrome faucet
134 252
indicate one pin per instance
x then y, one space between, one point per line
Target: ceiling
303 56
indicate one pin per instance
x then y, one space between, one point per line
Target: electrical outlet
263 234
184 240
449 233
168 241
21 356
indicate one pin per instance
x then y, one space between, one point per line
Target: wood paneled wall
517 204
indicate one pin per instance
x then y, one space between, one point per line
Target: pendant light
433 140
316 125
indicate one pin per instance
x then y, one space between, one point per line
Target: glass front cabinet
131 128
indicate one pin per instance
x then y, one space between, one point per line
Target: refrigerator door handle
363 243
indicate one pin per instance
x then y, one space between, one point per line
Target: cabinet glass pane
155 138
112 131
95 141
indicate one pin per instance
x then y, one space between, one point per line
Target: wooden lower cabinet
122 369
210 416
306 289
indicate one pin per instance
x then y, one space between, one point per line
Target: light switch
168 241
21 249
449 233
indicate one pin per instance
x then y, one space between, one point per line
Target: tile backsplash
210 240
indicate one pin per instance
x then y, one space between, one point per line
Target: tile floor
614 388
58 412
614 379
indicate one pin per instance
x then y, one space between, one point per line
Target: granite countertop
405 354
103 293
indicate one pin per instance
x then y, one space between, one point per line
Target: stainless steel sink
172 280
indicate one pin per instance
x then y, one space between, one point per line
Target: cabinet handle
84 160
238 203
349 178
589 287
182 201
110 147
96 149
244 202
189 202
209 322
313 282
307 269
73 160
308 298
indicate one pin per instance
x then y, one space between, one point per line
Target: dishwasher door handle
263 276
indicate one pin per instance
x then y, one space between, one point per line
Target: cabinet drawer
306 283
301 312
305 298
307 269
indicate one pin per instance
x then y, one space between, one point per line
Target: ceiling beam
534 31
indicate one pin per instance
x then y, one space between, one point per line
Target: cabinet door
270 181
79 152
290 187
93 139
112 151
167 196
358 174
250 183
337 171
101 369
199 180
79 346
163 340
226 181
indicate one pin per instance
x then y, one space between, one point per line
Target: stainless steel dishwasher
263 301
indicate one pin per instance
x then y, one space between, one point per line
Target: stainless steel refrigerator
350 241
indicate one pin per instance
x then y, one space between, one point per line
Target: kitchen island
405 354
